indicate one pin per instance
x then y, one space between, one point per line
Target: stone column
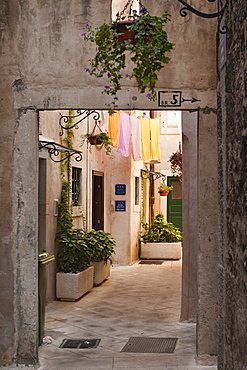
207 320
25 251
190 216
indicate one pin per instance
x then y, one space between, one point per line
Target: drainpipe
151 195
87 180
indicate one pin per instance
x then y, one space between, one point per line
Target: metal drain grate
150 345
151 262
79 343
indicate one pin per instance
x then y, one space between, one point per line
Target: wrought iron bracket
55 149
222 5
79 117
152 174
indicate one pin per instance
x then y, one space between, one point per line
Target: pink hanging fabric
124 134
135 138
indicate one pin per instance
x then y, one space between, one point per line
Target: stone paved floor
137 300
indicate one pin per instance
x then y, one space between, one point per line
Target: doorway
174 202
98 201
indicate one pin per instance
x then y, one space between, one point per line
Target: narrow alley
141 300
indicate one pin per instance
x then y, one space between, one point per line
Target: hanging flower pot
163 194
164 189
124 34
94 140
101 140
148 42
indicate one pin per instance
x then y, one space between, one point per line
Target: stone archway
39 73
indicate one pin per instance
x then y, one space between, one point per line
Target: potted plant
164 189
101 140
160 240
75 275
101 245
147 52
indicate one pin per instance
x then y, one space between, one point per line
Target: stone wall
43 61
232 134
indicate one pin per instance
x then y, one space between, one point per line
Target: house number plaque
172 99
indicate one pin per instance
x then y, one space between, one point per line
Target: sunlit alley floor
136 301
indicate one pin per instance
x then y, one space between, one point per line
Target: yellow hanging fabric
155 138
145 135
113 123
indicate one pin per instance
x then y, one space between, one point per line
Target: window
76 186
137 191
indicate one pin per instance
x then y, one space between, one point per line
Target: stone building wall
232 135
42 64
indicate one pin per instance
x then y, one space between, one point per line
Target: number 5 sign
172 99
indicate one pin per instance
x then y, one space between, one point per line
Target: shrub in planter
74 255
160 231
75 275
161 240
101 246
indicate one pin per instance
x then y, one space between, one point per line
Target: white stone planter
161 250
70 287
101 271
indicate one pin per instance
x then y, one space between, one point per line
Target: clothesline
138 137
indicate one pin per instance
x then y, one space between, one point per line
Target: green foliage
67 141
160 231
74 255
64 219
163 188
148 54
101 245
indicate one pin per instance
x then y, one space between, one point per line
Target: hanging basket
124 34
94 140
164 194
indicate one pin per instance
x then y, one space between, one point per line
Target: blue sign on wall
120 189
120 206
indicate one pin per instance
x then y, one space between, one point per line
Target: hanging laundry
145 136
124 134
135 138
113 126
155 138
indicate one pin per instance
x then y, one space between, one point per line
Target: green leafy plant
74 255
160 231
64 219
147 52
163 188
101 245
101 140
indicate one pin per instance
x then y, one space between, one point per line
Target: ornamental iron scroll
79 117
222 5
152 175
55 149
